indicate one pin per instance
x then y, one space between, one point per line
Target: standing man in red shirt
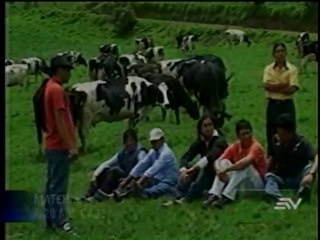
60 143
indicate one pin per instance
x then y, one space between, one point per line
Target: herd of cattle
129 86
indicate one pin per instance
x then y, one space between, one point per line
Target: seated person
209 144
154 176
242 164
108 175
290 159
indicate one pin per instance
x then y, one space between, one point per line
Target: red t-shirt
235 152
55 98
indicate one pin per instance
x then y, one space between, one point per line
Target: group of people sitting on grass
222 171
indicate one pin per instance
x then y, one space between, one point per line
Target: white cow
237 36
134 101
17 74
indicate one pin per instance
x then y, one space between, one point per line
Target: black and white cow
104 66
75 57
128 60
176 95
76 100
17 74
309 53
236 36
37 66
143 44
115 100
9 62
154 54
109 49
186 42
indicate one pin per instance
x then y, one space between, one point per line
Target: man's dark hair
243 124
129 133
285 121
201 120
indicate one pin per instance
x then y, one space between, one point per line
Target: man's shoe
168 203
137 190
66 228
221 202
118 195
305 194
211 199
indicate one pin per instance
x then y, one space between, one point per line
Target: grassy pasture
43 32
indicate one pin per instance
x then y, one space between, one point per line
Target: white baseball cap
156 134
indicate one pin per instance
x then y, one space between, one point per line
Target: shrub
124 20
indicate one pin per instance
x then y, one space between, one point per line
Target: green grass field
43 32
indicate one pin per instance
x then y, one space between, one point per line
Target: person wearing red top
60 143
243 163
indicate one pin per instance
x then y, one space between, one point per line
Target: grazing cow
127 60
109 49
76 101
143 44
115 100
9 62
186 42
237 36
205 77
37 66
176 95
154 54
17 74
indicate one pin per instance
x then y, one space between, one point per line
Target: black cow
205 77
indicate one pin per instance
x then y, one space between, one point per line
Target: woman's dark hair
285 121
243 124
276 45
201 120
129 133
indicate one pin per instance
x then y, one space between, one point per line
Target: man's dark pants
56 187
274 109
195 187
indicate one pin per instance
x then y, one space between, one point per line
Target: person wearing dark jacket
209 144
108 175
291 161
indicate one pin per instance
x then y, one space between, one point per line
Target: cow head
151 94
9 62
77 99
81 60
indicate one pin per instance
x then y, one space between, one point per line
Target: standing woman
280 80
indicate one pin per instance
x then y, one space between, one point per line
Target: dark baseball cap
60 62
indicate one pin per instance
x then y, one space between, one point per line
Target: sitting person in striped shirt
108 175
242 164
154 176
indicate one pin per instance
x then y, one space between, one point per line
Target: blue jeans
156 188
56 187
274 182
194 188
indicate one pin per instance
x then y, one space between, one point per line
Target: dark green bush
124 20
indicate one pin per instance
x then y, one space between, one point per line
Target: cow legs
176 111
83 130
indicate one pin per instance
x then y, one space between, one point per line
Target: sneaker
66 228
168 203
305 194
179 201
118 195
221 202
211 199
